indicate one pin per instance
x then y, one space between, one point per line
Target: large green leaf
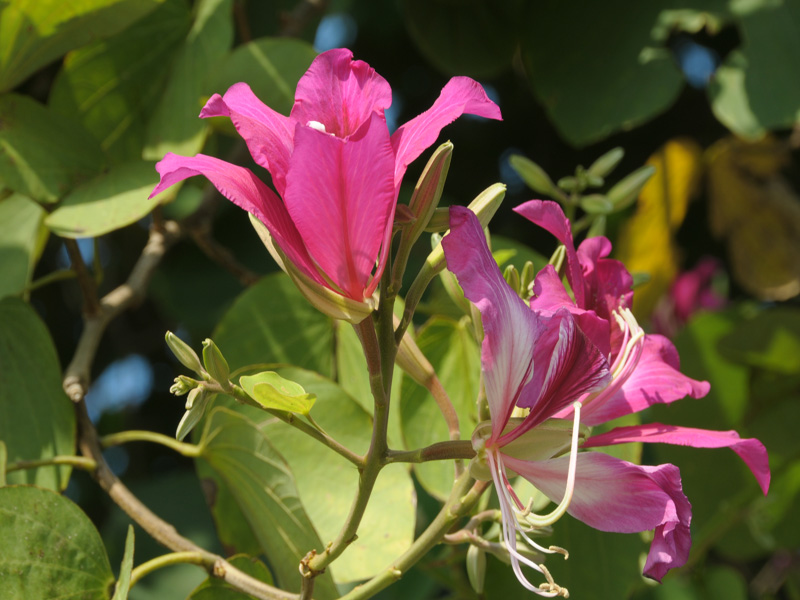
756 88
43 155
37 419
452 351
49 548
36 32
607 76
113 86
265 491
110 201
271 322
175 126
770 340
21 224
270 66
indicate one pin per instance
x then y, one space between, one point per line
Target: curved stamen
558 512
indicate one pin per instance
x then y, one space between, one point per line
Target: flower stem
458 449
81 462
167 560
124 437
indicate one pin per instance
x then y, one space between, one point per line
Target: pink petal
550 295
614 495
607 282
243 188
510 328
268 134
548 215
341 196
656 379
341 93
750 450
461 95
566 365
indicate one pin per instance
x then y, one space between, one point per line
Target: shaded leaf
770 340
36 32
264 489
270 66
271 390
43 155
646 241
49 548
175 126
21 220
113 86
110 201
124 580
37 419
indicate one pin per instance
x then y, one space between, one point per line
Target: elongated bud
596 204
195 409
183 385
184 353
626 191
215 363
323 299
526 280
532 174
511 275
557 259
476 568
411 359
598 227
428 191
603 166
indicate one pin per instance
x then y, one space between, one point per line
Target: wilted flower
568 365
336 169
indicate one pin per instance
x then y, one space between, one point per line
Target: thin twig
81 462
294 22
91 306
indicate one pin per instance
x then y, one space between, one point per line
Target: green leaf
271 322
36 32
452 351
124 581
214 588
581 85
473 40
770 340
271 390
37 420
175 126
43 155
49 548
260 480
3 463
21 222
110 201
756 88
113 86
270 66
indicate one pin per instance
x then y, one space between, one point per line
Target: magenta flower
589 361
336 169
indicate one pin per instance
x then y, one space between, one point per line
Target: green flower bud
625 192
428 190
476 568
603 166
557 259
511 275
526 280
184 353
215 363
195 408
532 174
183 385
596 204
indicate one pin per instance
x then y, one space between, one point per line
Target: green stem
124 437
81 462
167 560
457 505
452 450
292 419
415 292
59 275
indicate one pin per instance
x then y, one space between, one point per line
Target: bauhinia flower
566 365
336 169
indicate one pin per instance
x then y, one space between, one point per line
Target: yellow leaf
646 243
758 213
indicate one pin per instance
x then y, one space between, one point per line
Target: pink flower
587 360
336 169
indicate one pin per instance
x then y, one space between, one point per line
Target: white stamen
317 125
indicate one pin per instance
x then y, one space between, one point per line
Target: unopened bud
557 259
526 280
511 275
606 163
532 174
183 385
487 202
624 193
476 568
194 412
184 353
428 190
215 363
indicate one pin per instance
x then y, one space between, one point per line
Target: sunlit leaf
21 223
110 201
37 420
271 390
43 155
113 86
757 212
49 548
260 480
175 126
36 32
646 241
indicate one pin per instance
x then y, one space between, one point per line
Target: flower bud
476 568
184 353
603 166
183 385
511 275
526 280
532 174
195 408
215 363
428 190
626 191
